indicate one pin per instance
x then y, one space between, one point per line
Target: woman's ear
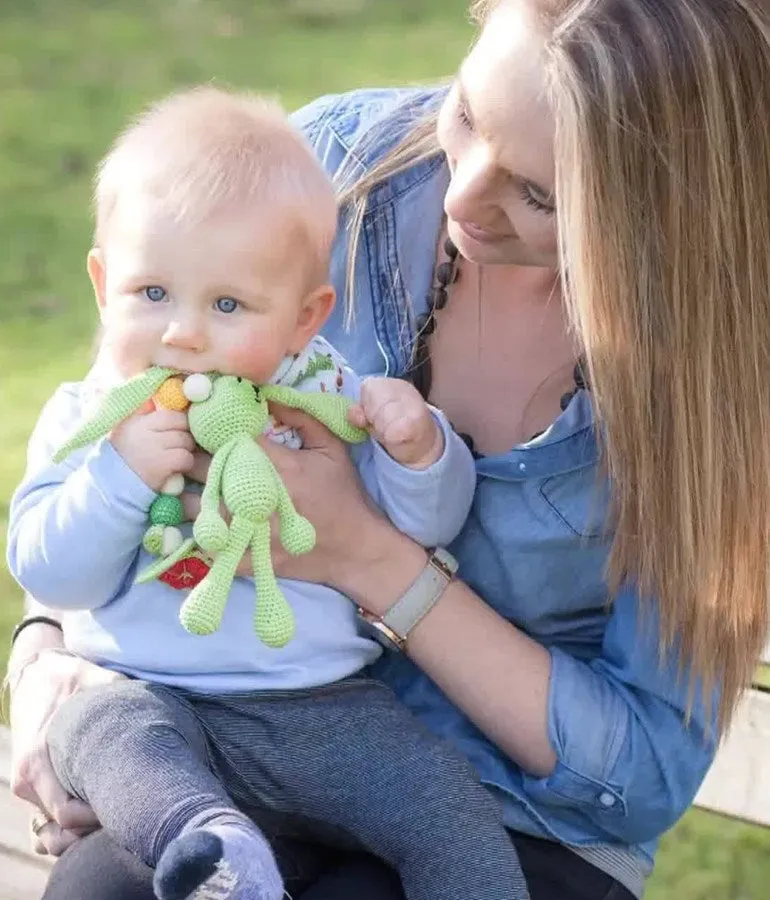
98 275
314 311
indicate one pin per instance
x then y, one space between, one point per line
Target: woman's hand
325 488
38 688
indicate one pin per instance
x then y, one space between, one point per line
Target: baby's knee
108 716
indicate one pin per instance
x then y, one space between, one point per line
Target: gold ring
39 821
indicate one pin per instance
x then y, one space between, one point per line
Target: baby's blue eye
226 304
155 293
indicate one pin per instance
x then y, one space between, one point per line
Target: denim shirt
534 546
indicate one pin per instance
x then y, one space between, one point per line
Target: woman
603 170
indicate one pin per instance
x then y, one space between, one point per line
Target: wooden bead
172 540
426 325
440 297
197 387
174 485
446 273
170 395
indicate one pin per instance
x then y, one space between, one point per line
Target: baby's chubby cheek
255 360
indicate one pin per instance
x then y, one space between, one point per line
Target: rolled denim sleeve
628 756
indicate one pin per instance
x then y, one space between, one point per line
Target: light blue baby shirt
75 533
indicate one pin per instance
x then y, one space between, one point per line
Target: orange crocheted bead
171 396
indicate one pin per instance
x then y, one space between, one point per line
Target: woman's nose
470 187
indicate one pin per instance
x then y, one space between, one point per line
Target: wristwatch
392 629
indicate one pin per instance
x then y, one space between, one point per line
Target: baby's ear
331 409
116 405
98 275
315 310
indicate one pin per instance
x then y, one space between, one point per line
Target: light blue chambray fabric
533 546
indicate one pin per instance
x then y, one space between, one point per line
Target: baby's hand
398 418
155 445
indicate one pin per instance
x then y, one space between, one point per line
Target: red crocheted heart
186 574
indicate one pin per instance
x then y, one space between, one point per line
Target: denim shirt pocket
579 500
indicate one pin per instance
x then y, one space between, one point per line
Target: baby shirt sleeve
75 528
430 505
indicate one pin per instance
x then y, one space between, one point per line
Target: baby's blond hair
205 150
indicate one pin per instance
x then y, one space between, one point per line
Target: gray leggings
345 765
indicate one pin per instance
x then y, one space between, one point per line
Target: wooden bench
738 786
22 874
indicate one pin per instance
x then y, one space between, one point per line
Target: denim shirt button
606 799
522 467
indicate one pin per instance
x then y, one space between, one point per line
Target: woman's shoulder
359 127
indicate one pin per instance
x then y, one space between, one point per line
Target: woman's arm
32 640
610 735
493 672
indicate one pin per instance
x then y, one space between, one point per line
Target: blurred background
71 73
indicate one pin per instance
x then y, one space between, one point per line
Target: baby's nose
188 333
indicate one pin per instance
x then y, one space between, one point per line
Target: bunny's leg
296 534
202 611
273 619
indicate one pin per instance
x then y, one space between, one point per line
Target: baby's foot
219 862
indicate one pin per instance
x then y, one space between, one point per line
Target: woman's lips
479 234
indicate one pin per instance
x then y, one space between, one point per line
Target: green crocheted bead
153 540
166 509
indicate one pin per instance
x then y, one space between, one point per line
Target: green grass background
71 73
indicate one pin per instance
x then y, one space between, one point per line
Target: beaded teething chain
164 537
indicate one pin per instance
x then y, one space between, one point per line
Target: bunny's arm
116 405
212 490
210 528
331 409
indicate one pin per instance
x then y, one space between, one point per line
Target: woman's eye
226 304
155 293
462 116
532 200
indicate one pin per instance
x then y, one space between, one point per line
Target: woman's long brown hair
663 187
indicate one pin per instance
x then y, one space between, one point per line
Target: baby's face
223 295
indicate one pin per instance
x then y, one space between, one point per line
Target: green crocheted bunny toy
225 423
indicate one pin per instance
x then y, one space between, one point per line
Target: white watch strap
423 594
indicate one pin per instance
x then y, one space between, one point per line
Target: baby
214 225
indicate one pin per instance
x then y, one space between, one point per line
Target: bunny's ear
331 409
117 404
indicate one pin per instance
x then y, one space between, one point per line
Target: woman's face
497 131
